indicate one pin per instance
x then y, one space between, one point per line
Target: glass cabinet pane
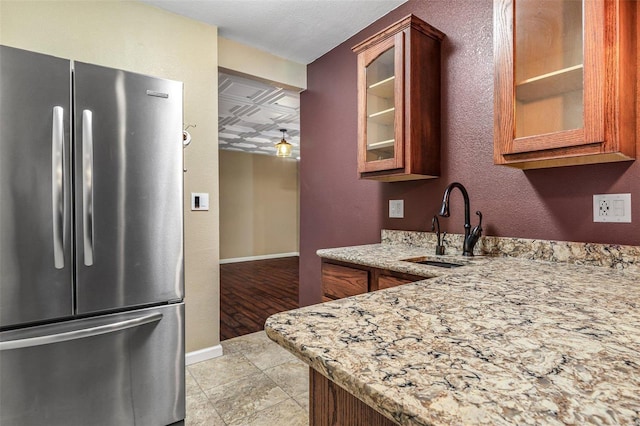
381 107
548 66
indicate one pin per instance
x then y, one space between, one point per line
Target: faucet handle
479 213
476 232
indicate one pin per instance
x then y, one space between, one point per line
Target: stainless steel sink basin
439 264
436 263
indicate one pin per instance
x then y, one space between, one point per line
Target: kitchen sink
435 263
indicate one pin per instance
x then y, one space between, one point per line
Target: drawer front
132 376
341 281
387 281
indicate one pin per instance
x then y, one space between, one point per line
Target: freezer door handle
87 185
80 333
57 185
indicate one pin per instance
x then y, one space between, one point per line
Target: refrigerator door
117 369
35 215
128 186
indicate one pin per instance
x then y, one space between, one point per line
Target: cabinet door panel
380 96
564 82
341 281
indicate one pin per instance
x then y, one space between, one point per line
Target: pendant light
283 148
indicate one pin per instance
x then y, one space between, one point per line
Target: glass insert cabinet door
549 66
381 99
564 82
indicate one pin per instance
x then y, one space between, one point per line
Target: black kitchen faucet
470 236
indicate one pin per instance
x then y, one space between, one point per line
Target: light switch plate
396 209
199 201
612 208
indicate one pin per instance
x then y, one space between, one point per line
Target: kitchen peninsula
534 333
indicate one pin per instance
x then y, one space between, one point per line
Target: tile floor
254 383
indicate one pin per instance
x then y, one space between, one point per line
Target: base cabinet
329 404
343 279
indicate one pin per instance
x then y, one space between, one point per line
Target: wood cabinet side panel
621 115
423 101
331 405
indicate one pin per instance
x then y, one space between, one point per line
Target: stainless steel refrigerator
91 240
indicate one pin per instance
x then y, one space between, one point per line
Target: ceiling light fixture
283 148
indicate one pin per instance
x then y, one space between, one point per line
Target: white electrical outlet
396 209
612 208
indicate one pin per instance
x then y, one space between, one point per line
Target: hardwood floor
252 291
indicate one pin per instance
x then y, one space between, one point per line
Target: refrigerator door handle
57 185
81 333
87 185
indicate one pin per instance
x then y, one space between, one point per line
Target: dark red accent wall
337 209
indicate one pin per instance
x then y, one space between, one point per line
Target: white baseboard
262 257
203 354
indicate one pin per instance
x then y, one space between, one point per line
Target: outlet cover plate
199 201
396 209
612 208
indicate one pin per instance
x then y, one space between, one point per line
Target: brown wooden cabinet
564 82
399 102
388 281
330 404
343 279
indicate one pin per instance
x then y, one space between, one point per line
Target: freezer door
35 215
128 186
118 369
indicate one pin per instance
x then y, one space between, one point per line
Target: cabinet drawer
387 281
341 281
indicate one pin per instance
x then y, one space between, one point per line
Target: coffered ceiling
250 114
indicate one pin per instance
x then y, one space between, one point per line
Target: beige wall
144 39
239 58
258 205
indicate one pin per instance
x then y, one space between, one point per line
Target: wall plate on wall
199 201
396 209
612 208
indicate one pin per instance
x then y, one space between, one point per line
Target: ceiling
252 111
250 114
298 30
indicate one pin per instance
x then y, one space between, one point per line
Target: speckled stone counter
501 340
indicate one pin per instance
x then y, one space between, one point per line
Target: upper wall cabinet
564 82
399 102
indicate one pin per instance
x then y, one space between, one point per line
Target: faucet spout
469 238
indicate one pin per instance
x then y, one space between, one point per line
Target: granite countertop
400 258
501 340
